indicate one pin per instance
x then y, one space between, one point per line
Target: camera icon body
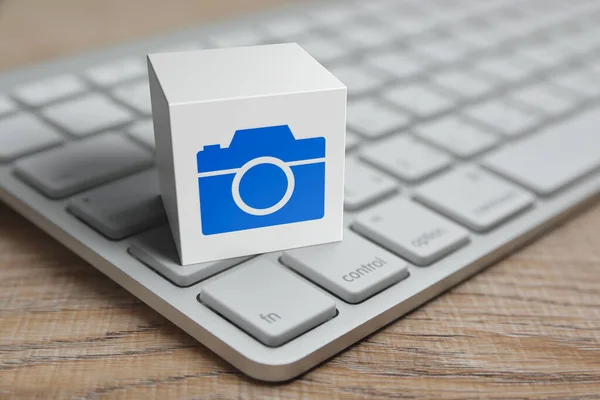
265 177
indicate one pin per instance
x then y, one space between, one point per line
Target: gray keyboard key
156 249
474 198
365 185
268 302
22 134
553 158
86 115
7 106
464 82
122 208
372 118
354 269
551 100
324 49
82 165
352 140
402 65
406 158
580 81
136 95
420 99
117 71
411 231
49 89
358 80
504 118
143 132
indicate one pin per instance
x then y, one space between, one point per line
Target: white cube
250 149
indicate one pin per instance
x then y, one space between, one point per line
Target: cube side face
259 174
161 117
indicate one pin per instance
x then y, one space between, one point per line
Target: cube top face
222 74
247 174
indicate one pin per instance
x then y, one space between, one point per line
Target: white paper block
250 149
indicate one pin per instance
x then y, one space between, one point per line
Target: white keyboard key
551 100
235 38
272 313
50 89
411 231
372 118
444 50
21 134
6 105
508 67
466 83
367 35
287 27
86 115
459 137
474 198
364 185
135 95
157 250
357 80
117 71
335 13
580 81
406 158
420 99
503 117
547 54
352 140
83 165
182 46
143 132
122 208
402 65
324 50
354 269
553 158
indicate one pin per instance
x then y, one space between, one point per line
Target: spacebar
553 158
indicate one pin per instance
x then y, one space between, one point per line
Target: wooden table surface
528 327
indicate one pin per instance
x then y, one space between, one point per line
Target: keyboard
473 127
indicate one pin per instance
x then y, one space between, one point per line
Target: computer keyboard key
236 37
136 95
466 83
580 81
411 231
354 269
50 89
445 50
457 136
7 106
553 158
82 165
474 198
87 115
420 99
364 34
324 49
365 185
372 118
22 133
400 64
287 27
552 101
508 67
157 250
405 158
358 80
352 140
268 302
118 71
504 118
143 132
122 208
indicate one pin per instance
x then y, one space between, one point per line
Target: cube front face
256 174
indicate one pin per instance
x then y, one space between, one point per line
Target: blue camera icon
265 177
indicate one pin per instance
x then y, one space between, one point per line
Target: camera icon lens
235 186
264 178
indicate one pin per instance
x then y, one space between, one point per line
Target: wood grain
529 327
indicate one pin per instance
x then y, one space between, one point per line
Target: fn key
273 313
